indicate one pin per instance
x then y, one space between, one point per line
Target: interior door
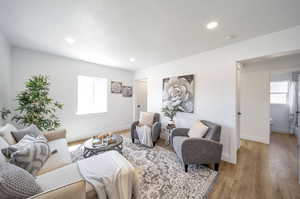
255 105
141 97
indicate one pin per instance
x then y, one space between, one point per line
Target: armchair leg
132 140
186 167
154 144
217 167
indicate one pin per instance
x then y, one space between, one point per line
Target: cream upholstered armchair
155 132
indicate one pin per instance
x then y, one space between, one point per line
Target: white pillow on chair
146 118
198 130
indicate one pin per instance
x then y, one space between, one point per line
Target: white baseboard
280 130
90 133
255 139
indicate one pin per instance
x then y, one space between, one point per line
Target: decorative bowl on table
97 142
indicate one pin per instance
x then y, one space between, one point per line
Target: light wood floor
262 171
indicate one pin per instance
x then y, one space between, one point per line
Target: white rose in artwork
178 91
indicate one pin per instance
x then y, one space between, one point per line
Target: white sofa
59 176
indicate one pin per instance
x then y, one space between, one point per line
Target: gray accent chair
206 150
156 129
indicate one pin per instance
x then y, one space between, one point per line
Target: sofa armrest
201 151
156 129
55 134
74 190
178 132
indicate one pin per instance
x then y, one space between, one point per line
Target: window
91 95
279 92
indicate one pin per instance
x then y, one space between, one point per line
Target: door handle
239 113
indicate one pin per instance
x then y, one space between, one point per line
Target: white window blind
91 95
279 92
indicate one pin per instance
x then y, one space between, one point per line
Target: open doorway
141 96
268 108
266 101
284 102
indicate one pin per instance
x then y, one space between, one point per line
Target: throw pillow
198 130
32 130
30 153
3 144
16 183
5 132
146 118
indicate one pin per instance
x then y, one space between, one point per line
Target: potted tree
35 106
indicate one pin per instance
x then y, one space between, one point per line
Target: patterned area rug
161 174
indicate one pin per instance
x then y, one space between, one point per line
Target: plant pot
171 122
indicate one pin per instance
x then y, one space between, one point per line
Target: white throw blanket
144 134
110 173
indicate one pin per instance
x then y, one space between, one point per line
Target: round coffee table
90 149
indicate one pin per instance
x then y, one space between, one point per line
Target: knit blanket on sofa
110 173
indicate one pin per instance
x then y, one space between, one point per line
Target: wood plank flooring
262 171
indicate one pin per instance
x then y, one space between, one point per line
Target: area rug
160 174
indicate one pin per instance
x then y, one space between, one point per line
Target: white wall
4 72
63 74
280 112
215 83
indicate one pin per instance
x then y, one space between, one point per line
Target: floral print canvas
179 91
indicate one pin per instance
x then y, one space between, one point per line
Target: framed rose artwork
179 91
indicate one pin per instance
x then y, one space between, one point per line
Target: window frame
280 93
80 113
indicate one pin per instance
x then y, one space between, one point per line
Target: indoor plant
35 106
170 111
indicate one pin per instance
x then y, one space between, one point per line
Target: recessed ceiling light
70 40
212 25
132 59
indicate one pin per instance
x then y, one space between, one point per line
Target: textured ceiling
109 32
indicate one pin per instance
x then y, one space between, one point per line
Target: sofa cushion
30 153
3 145
16 182
59 177
62 176
5 132
59 159
32 130
198 130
